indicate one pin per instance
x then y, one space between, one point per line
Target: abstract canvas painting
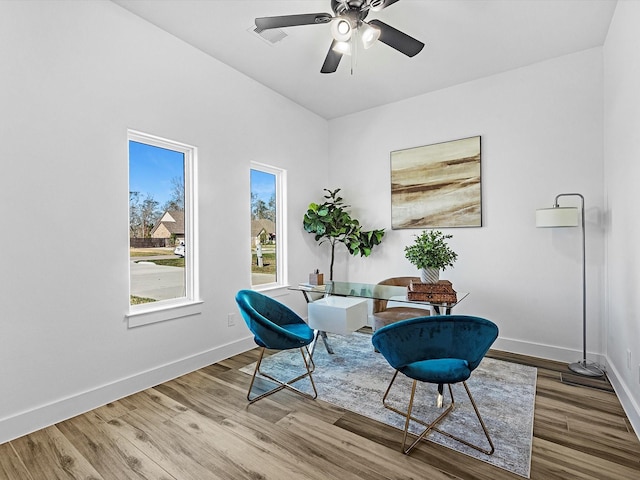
437 185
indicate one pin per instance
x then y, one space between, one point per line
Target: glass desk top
373 291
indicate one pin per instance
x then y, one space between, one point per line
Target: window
162 246
267 226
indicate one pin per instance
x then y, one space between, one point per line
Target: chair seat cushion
299 335
300 330
441 370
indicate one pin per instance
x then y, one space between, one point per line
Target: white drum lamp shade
557 217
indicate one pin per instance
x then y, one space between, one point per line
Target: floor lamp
558 216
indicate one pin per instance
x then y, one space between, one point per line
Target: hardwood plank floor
200 427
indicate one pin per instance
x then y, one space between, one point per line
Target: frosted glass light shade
369 35
342 47
558 217
341 30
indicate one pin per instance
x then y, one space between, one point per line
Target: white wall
73 77
542 134
622 175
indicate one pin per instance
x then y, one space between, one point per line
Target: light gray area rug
355 378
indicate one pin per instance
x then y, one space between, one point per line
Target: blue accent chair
441 349
275 327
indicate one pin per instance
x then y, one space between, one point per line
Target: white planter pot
430 275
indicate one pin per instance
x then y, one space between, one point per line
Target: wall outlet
231 319
628 359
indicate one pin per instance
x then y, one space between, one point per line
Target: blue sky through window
263 184
151 170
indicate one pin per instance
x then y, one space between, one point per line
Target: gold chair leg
309 366
409 417
482 424
429 427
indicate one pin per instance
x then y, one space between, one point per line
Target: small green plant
430 250
134 300
330 222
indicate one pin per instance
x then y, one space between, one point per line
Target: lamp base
588 369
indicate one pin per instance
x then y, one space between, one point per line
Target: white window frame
190 303
281 230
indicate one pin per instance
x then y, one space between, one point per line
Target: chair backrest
265 317
380 305
441 336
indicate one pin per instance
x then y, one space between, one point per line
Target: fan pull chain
354 50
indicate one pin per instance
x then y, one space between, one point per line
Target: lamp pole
583 367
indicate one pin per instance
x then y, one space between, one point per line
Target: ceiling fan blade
265 23
332 60
398 40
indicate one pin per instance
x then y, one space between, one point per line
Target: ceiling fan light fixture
348 29
342 47
369 35
341 30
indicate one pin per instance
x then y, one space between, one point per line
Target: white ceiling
465 40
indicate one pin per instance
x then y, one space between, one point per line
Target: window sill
272 289
144 315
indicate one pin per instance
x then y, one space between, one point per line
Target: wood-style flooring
199 427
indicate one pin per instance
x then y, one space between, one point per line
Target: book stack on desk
441 292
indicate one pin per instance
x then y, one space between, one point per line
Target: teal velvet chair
443 350
276 327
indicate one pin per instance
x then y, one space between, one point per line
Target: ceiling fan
347 24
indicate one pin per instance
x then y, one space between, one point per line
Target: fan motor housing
341 7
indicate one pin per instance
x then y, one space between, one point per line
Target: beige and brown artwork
437 185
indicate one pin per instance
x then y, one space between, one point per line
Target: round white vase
430 275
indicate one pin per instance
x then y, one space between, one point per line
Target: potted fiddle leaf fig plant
331 222
431 253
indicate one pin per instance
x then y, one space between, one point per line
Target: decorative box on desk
341 315
441 292
316 278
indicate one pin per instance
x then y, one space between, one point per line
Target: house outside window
267 226
162 247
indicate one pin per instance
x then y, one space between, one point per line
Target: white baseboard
29 421
550 352
43 416
629 404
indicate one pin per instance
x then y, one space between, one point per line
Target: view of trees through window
156 222
263 227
